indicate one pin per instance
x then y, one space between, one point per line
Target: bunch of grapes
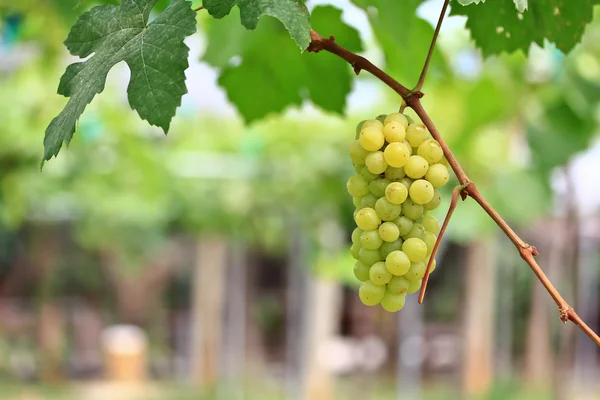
399 170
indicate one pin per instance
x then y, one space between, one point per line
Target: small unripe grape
416 167
359 127
397 263
372 123
377 187
371 138
368 175
388 231
416 271
369 257
411 209
435 201
368 201
379 274
438 175
393 302
367 219
421 191
355 250
429 239
394 174
431 151
387 211
370 240
387 247
416 134
361 271
396 155
430 223
396 117
357 153
376 162
356 235
417 231
414 286
370 294
396 193
357 186
394 132
356 201
398 285
406 182
404 225
415 249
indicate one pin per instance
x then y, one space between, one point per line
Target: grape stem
468 188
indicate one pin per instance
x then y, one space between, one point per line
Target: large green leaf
496 26
155 54
520 4
272 75
292 13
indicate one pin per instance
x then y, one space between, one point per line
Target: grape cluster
399 170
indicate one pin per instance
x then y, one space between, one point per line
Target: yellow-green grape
438 175
414 286
359 127
369 257
433 265
377 187
357 153
394 132
429 239
444 162
406 182
412 210
368 175
361 271
388 232
387 211
355 250
397 262
404 225
417 231
431 151
421 191
376 162
430 223
396 155
357 168
396 193
435 201
405 143
356 235
370 294
387 247
370 240
416 271
356 201
372 123
394 174
371 138
393 302
357 186
398 285
416 134
378 273
368 201
415 249
367 219
396 117
416 167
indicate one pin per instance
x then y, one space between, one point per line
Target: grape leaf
292 13
155 54
263 73
520 4
497 26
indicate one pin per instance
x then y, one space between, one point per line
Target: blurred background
213 263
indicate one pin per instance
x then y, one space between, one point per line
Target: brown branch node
564 313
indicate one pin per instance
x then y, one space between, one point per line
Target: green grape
433 265
416 167
355 250
396 117
372 123
404 225
414 286
415 249
388 231
394 174
387 211
416 134
359 127
429 239
412 210
394 132
370 294
368 201
387 247
369 257
377 187
361 271
421 191
410 150
396 155
376 162
430 223
367 219
398 285
396 193
378 273
438 175
368 175
431 151
370 240
357 168
397 263
417 231
357 186
393 302
416 271
435 201
357 153
356 235
371 138
356 201
406 182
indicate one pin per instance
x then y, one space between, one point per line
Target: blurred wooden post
125 354
479 315
207 311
